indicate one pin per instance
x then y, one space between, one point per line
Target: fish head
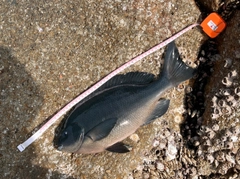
70 138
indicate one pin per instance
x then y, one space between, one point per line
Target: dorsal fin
131 78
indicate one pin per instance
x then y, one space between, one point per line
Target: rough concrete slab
53 51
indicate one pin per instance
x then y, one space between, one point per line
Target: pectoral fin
119 148
160 109
102 129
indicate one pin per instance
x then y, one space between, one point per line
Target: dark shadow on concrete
194 100
20 101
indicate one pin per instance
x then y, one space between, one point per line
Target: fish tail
174 69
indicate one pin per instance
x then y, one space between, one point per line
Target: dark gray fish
120 107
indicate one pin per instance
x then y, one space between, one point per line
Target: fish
117 109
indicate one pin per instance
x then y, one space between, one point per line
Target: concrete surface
52 51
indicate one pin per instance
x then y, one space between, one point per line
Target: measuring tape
214 26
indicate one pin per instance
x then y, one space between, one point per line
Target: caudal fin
174 69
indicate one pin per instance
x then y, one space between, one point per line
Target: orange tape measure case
213 25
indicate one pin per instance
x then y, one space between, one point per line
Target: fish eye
65 133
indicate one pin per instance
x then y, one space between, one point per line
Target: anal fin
119 148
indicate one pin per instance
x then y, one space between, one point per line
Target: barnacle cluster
227 98
163 157
195 98
218 148
217 152
168 157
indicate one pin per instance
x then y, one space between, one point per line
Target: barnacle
214 101
237 90
227 81
211 134
155 143
230 158
210 158
237 157
220 156
226 110
226 92
233 74
215 127
228 144
228 63
222 103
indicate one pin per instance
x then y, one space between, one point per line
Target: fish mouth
74 147
71 148
58 146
